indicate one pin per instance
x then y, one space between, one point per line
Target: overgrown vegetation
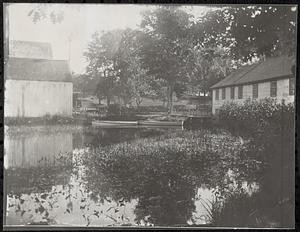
165 171
269 127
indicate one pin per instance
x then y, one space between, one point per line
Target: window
240 92
273 90
232 92
255 91
291 86
217 94
223 93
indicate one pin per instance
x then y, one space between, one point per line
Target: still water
47 184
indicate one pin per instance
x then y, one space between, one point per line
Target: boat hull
159 123
126 124
114 123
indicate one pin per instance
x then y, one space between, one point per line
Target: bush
148 109
256 118
269 126
180 108
119 110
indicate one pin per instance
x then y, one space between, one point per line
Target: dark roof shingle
37 70
271 68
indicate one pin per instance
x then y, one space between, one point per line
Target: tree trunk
138 102
107 101
170 98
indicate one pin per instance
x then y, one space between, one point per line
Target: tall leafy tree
251 31
134 81
165 47
207 66
102 62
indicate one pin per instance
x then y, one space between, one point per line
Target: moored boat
114 123
159 123
134 123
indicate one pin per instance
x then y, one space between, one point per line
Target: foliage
149 109
208 66
270 128
163 172
85 84
256 119
119 110
102 61
133 76
251 31
114 60
165 46
158 174
171 51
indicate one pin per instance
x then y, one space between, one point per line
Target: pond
48 180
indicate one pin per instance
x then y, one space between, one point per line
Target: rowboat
159 123
114 123
124 124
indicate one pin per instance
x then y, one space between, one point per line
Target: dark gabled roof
272 68
37 70
30 49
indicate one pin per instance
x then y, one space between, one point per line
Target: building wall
37 98
263 92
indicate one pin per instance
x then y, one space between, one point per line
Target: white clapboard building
270 78
35 84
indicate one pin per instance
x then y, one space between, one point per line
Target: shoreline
61 120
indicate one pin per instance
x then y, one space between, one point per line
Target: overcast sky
80 22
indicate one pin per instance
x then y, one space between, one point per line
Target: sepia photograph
149 115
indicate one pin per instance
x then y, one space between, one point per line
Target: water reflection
49 183
43 177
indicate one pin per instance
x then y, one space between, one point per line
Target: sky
77 27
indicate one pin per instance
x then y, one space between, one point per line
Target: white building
273 78
35 84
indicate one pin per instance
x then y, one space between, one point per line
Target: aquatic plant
163 172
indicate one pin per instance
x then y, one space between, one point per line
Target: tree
102 61
207 67
164 48
251 31
228 36
134 81
105 88
85 84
